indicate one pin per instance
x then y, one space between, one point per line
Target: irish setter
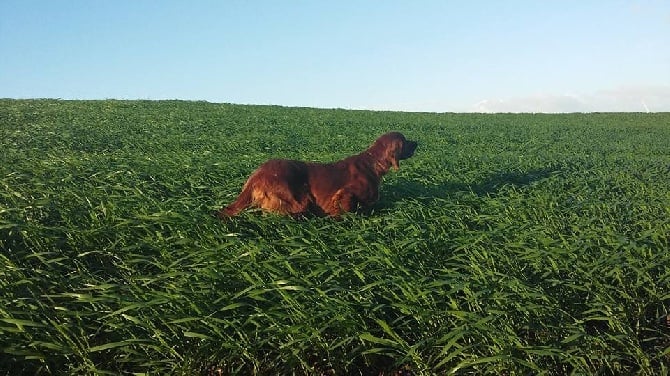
324 189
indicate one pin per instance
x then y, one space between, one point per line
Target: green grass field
509 244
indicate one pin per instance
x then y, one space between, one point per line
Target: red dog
324 189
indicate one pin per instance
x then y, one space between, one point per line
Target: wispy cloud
621 99
535 103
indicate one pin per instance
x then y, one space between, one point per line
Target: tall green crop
517 244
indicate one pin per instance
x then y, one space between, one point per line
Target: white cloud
621 99
535 103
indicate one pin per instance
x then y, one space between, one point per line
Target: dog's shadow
415 190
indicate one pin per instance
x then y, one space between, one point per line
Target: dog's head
392 147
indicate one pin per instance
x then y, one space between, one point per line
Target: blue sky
438 56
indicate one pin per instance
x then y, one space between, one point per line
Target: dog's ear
393 152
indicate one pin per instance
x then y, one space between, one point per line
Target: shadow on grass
495 182
412 189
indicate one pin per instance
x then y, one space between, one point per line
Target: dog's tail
242 202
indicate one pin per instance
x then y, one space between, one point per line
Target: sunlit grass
523 244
